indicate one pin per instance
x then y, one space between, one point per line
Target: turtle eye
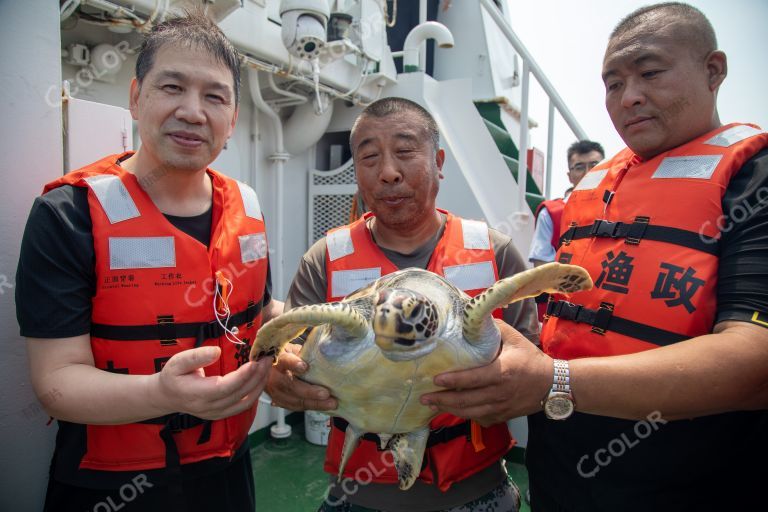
416 309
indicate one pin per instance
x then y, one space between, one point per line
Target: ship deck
289 473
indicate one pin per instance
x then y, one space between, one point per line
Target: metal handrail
555 102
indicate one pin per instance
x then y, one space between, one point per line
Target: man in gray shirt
398 167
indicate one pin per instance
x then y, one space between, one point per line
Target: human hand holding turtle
512 385
293 393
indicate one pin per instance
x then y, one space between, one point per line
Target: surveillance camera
304 26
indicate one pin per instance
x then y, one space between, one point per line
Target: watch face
558 406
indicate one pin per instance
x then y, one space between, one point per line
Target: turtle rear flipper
351 439
408 452
276 333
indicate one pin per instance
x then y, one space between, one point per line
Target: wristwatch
559 404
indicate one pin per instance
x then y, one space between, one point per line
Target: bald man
651 389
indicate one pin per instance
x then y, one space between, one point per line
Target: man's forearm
81 393
84 394
709 374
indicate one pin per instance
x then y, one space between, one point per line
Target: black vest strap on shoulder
603 319
641 229
437 436
168 331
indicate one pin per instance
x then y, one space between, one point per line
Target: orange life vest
457 448
555 209
648 233
154 298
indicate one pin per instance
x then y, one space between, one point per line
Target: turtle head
404 324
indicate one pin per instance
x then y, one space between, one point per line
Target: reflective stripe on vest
470 276
141 252
345 282
113 197
250 201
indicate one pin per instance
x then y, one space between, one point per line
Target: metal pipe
520 48
112 9
291 98
279 156
423 45
550 142
522 164
420 33
275 69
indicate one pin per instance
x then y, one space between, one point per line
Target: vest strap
173 423
166 330
603 319
437 436
640 229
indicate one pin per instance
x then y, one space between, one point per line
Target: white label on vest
591 180
471 276
250 201
253 247
344 282
475 234
733 135
698 167
113 197
339 244
142 252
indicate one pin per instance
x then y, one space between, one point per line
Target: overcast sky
568 40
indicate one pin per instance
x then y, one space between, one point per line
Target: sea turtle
380 347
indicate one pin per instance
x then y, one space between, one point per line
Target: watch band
562 379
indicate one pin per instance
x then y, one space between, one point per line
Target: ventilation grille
329 211
345 176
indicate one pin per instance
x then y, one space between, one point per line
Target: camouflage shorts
504 498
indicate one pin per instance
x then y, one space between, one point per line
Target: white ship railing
555 102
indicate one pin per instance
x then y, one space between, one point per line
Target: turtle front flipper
549 278
408 452
276 333
351 439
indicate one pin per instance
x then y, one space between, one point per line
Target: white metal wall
30 156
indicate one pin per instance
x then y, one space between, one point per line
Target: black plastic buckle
637 230
602 318
166 330
605 228
569 233
250 316
183 421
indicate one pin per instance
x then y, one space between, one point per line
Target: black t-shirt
55 286
595 463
